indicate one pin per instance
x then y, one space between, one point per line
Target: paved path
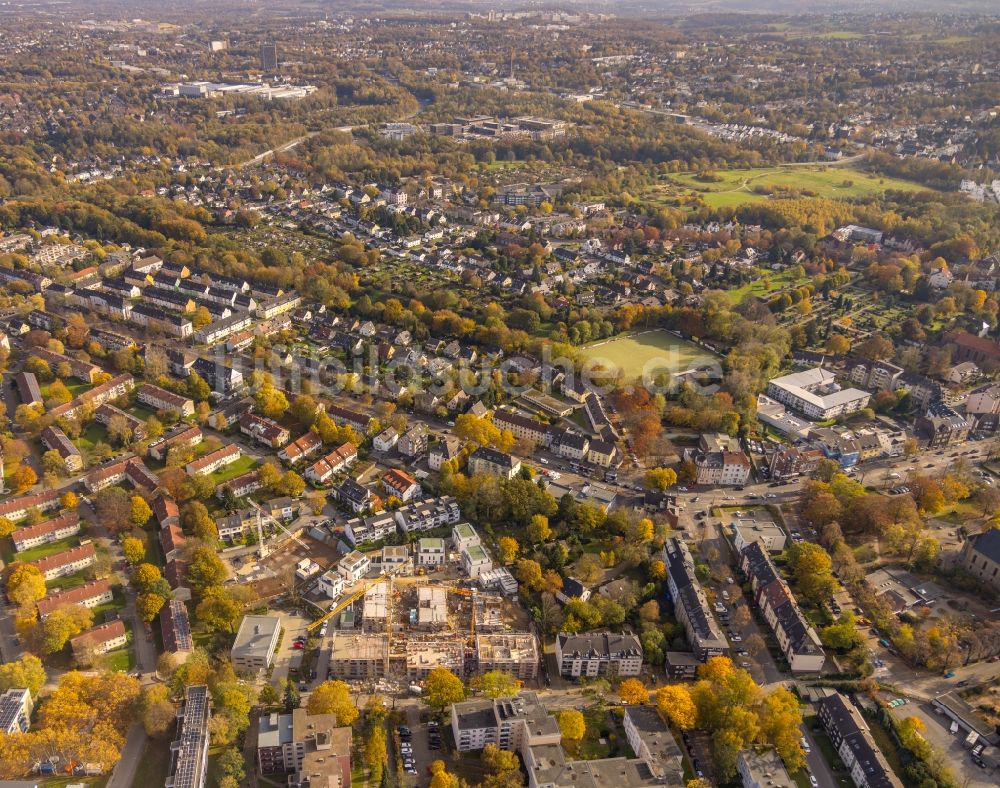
123 775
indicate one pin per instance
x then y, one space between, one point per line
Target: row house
168 299
492 462
172 541
90 594
795 635
401 485
81 370
118 386
68 562
176 628
108 412
853 742
521 427
31 536
264 430
339 459
373 528
426 515
183 437
111 341
140 476
161 399
54 439
223 328
236 525
351 418
101 639
241 486
18 508
166 511
301 448
28 389
213 461
110 304
277 306
109 474
691 606
155 319
594 654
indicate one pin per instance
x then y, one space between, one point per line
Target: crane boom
346 602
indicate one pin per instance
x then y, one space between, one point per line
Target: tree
52 462
508 548
197 388
333 697
114 508
119 430
196 520
25 584
633 692
376 753
572 726
838 345
443 688
780 723
69 500
292 484
26 672
269 476
529 573
813 571
62 624
201 318
7 527
440 778
660 478
496 684
133 549
304 410
24 478
146 577
675 705
271 402
538 529
219 610
158 713
205 569
148 606
503 770
139 511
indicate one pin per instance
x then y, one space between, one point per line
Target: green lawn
93 434
121 661
771 282
231 471
70 581
662 351
141 412
51 548
736 187
153 766
117 603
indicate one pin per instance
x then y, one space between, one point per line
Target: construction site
402 628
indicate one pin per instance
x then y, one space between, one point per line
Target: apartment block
598 654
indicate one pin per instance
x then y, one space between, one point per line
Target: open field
736 187
633 352
234 469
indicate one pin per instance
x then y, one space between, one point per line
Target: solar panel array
189 771
11 707
181 625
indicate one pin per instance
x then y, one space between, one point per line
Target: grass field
736 187
231 471
632 353
51 548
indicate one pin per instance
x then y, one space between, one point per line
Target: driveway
286 657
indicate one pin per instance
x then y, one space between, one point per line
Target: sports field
730 188
631 353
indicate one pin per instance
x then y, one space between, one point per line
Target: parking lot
287 656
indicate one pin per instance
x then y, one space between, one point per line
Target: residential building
312 748
386 440
176 628
980 557
357 655
354 566
401 484
90 594
572 446
796 637
444 450
213 461
372 528
876 375
464 535
853 742
263 430
181 436
161 399
515 653
598 654
816 394
763 769
428 514
790 461
301 448
189 753
485 460
749 529
99 640
341 458
97 396
27 388
413 442
941 425
68 562
691 607
256 640
229 413
474 560
54 439
107 414
603 453
356 497
331 583
16 706
351 418
17 508
53 530
81 370
511 723
651 740
431 552
521 427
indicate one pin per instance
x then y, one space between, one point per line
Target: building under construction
407 631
